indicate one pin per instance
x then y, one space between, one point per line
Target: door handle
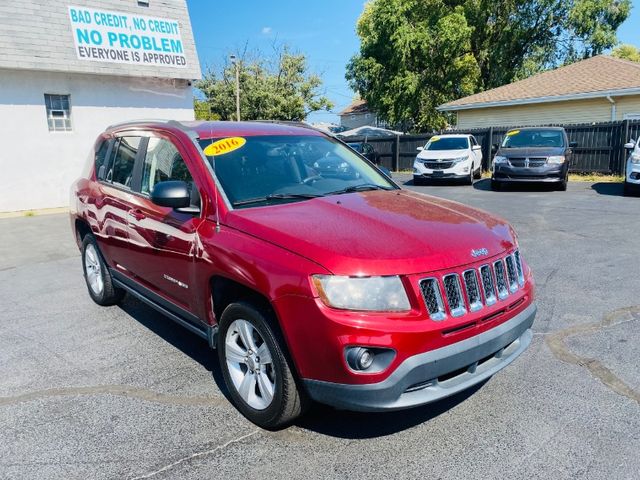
137 214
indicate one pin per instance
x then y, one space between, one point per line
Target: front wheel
256 369
562 186
469 179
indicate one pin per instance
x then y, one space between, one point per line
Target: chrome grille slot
453 294
501 280
487 285
473 290
433 298
512 275
516 256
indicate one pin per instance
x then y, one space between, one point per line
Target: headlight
499 159
461 159
556 159
381 294
635 158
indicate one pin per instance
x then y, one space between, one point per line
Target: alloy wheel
249 363
93 270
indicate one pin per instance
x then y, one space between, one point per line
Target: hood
377 232
531 152
434 154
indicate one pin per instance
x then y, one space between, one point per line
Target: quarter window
163 162
101 159
122 171
58 112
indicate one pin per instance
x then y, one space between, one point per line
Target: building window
58 112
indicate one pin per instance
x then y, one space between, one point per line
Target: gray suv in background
540 154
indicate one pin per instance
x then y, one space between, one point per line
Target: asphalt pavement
89 393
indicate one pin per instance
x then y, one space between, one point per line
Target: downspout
613 108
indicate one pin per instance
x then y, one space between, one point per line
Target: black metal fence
600 145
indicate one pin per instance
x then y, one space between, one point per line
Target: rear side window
102 160
122 170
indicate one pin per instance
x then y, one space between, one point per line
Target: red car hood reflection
378 232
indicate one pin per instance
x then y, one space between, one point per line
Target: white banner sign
104 36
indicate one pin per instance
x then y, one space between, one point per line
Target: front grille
528 162
501 279
516 255
487 285
433 298
512 275
456 294
473 290
438 165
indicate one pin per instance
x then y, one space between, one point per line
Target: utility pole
235 63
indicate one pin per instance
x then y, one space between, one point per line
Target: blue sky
323 30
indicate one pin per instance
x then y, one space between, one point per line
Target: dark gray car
534 154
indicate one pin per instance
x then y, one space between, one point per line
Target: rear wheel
97 275
478 173
496 185
256 369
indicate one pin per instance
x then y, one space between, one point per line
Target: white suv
452 157
632 172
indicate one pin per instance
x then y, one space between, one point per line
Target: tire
469 179
97 275
271 397
478 173
562 186
496 185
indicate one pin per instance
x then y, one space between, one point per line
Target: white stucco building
68 69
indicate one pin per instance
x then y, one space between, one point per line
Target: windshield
447 143
533 138
265 170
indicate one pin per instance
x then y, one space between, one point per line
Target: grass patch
30 213
595 177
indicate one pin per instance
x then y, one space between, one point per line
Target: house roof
357 106
595 77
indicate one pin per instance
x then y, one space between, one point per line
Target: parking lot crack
196 455
556 342
120 390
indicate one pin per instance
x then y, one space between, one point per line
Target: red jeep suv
313 275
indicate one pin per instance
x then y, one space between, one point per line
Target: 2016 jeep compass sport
344 289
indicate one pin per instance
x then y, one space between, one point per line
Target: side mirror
171 193
630 145
573 144
476 147
494 148
420 149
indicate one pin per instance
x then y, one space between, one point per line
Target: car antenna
215 195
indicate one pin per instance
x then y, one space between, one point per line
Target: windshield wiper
277 196
363 187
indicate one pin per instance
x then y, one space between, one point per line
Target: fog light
360 358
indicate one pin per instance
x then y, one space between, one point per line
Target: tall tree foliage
627 52
279 87
417 54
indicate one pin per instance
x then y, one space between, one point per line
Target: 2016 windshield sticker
224 145
512 133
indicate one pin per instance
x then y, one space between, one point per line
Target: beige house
357 114
599 89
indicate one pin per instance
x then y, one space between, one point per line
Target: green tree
279 87
627 52
417 54
414 55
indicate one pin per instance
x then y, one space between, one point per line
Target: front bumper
549 173
436 374
633 173
458 170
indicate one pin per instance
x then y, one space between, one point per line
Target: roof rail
147 120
